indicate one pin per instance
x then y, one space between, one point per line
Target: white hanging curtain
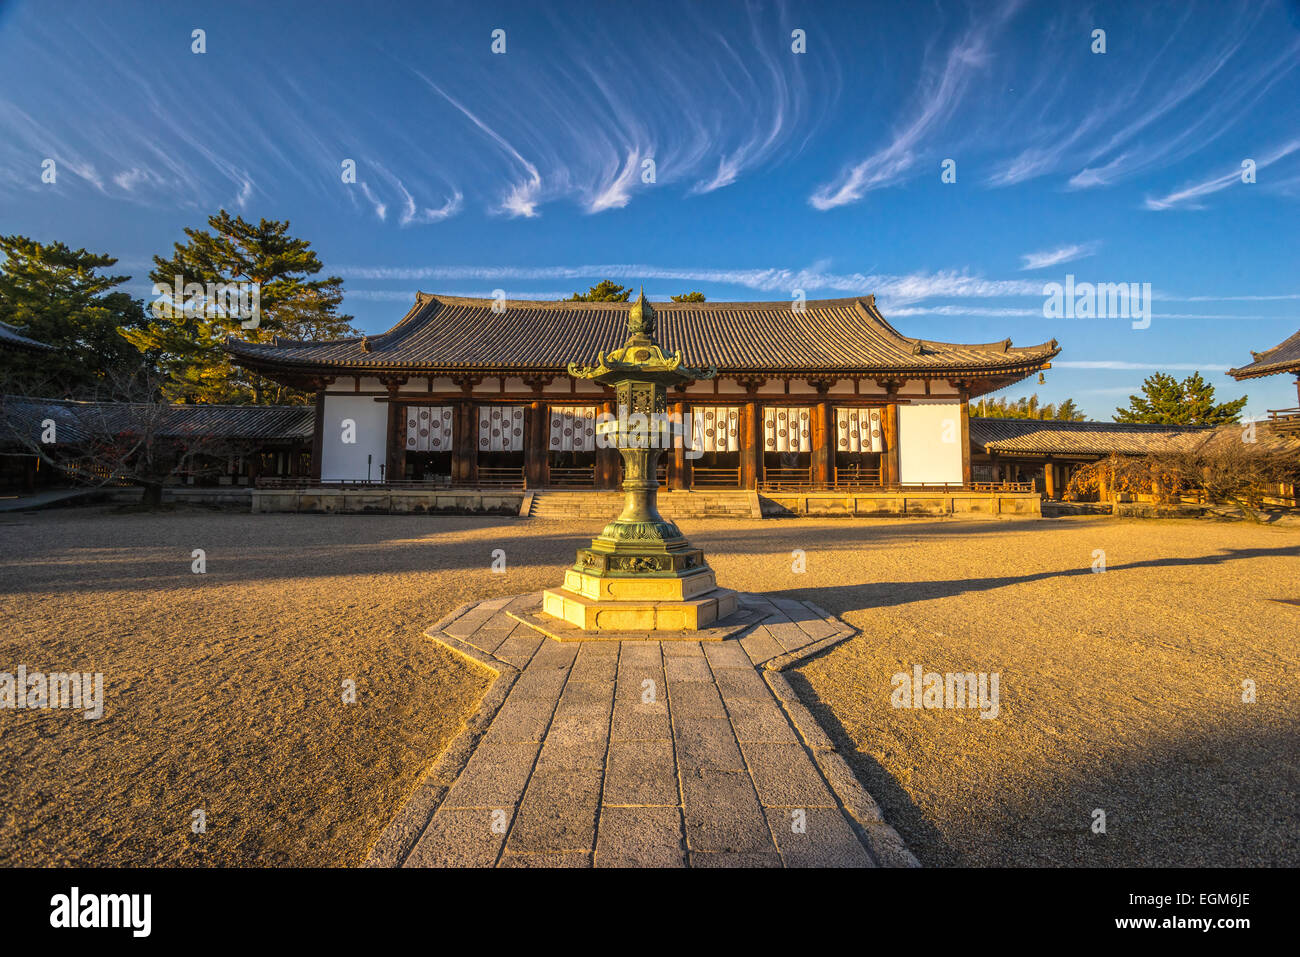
787 429
428 428
715 428
573 428
858 430
501 428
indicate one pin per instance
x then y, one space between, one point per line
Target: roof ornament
641 317
365 344
641 354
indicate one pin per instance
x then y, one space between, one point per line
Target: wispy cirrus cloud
899 293
1059 255
893 288
522 197
1189 196
1117 364
581 125
943 87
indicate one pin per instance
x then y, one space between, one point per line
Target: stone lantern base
640 576
643 605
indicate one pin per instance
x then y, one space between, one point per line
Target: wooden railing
501 477
1002 486
774 479
297 482
787 478
715 478
580 477
856 477
1284 420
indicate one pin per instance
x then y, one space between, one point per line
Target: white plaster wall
341 461
924 457
912 387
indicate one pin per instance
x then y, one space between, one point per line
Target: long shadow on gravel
923 839
839 599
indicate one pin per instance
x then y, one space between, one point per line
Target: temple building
474 393
1045 453
13 341
1282 358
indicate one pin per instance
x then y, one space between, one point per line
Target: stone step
592 505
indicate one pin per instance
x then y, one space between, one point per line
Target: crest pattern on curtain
715 428
858 430
573 428
428 428
501 428
787 429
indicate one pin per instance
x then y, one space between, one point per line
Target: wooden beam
318 436
965 440
751 449
889 461
607 459
823 444
679 467
396 448
536 419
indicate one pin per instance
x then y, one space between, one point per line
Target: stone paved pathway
640 753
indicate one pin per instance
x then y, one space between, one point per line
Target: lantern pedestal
640 616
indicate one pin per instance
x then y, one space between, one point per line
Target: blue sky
774 170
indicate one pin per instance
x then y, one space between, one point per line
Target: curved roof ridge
1283 357
1089 424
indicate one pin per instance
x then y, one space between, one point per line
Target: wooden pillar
965 441
679 466
607 459
823 445
396 448
889 461
751 446
995 467
318 437
465 468
1049 479
459 470
536 437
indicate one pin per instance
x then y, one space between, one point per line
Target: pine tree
291 304
604 291
1027 408
1067 411
689 297
56 295
1166 401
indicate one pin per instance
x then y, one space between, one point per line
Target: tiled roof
1047 436
11 338
77 421
443 334
1283 357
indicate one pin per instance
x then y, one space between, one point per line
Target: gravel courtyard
224 691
